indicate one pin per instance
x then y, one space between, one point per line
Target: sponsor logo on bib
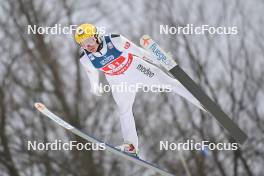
107 60
110 45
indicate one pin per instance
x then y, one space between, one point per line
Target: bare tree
36 67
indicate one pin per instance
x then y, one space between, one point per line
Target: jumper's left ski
44 110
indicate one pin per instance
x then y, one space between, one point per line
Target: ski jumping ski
170 65
44 110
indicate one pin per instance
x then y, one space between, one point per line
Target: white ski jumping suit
123 62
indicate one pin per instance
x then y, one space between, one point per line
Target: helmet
85 31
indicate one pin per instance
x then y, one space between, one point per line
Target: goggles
91 41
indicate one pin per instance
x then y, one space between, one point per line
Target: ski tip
39 106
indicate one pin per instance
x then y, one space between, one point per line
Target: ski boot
129 149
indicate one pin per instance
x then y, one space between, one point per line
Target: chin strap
99 47
99 41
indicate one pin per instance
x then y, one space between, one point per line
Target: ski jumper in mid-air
123 62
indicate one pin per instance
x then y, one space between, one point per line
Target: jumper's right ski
44 110
167 62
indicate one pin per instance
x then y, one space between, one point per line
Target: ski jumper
123 62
